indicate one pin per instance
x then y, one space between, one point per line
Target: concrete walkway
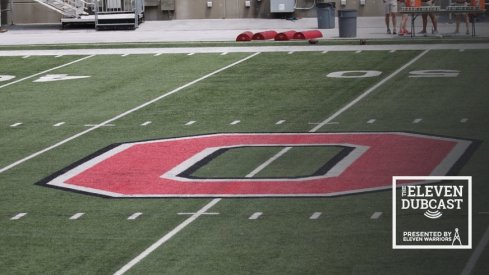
204 30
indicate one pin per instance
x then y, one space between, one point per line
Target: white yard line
266 163
76 216
315 215
469 267
134 216
18 216
10 166
255 216
46 71
166 237
376 215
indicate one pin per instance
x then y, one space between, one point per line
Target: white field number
6 77
413 74
434 73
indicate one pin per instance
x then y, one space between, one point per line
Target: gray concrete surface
204 30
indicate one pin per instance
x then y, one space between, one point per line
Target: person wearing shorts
404 19
432 16
459 16
390 11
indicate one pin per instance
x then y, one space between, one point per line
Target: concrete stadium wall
197 9
28 11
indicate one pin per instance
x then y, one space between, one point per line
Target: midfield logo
432 213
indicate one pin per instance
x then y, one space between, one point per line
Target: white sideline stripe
46 71
10 166
16 124
469 267
418 120
367 92
280 122
18 216
58 124
134 216
166 237
215 201
235 122
146 123
370 121
266 163
376 215
464 120
76 216
315 216
255 216
190 122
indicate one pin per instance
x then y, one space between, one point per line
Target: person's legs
457 23
394 22
466 17
434 22
387 14
424 16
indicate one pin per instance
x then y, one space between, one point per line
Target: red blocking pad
284 36
308 35
266 35
244 36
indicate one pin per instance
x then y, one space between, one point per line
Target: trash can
347 21
326 11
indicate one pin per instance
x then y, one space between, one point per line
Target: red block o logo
159 168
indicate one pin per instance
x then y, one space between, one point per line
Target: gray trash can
347 21
326 16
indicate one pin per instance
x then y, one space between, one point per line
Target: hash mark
280 122
315 215
134 216
324 52
376 215
58 124
190 122
255 216
26 56
190 54
462 50
371 121
464 120
392 51
291 52
224 53
418 120
124 55
76 216
18 216
158 54
359 51
235 122
16 124
146 123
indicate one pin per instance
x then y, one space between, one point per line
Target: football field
215 163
